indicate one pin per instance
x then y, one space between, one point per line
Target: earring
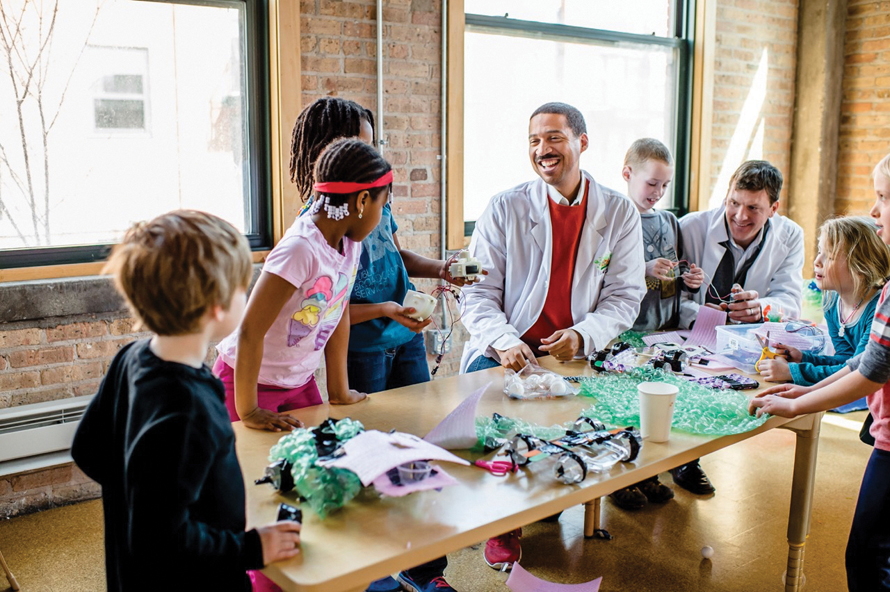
360 214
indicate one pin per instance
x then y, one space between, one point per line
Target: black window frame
258 207
682 39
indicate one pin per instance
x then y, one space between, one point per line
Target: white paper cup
656 410
423 304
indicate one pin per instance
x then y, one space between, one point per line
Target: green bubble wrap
699 410
494 431
634 338
325 489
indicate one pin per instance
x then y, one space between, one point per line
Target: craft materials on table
704 329
458 430
534 382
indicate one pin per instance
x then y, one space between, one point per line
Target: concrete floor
654 549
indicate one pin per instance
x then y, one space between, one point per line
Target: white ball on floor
707 552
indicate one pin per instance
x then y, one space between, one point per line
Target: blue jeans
482 363
868 549
372 372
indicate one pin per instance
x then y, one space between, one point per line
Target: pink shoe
503 551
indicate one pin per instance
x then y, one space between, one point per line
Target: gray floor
655 549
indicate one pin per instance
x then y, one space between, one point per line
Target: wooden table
372 537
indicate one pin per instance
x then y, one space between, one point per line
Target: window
625 65
119 111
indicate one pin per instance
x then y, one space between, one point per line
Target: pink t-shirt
293 346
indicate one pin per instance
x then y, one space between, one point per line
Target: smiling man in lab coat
565 264
744 242
564 257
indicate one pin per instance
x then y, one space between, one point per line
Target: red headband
346 187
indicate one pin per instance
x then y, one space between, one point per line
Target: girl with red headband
299 306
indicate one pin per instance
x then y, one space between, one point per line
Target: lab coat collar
596 221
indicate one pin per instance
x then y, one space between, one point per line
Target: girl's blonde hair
868 258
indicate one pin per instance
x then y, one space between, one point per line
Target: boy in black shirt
157 436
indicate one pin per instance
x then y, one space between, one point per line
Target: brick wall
756 45
865 111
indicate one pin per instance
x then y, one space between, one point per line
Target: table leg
801 499
592 520
12 581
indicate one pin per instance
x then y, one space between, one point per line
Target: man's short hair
572 115
646 149
757 175
175 268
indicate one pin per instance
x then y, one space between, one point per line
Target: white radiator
40 428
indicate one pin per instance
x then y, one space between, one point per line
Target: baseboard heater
40 428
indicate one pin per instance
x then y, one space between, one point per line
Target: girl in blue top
851 266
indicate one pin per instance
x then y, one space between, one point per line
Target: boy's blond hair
868 258
175 268
883 167
646 149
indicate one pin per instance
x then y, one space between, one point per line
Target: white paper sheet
458 430
522 581
373 453
671 337
704 331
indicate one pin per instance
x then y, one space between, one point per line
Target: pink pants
272 398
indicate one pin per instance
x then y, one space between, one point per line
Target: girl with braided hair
386 347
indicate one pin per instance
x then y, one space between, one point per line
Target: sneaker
629 498
437 584
503 551
692 478
387 584
656 491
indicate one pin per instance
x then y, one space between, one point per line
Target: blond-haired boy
157 436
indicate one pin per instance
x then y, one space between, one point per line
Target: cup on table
423 305
656 410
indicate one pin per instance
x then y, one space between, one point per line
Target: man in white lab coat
565 264
752 258
564 256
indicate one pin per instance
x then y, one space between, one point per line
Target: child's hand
694 277
400 314
785 391
445 274
774 405
280 540
659 269
775 370
263 419
792 353
350 397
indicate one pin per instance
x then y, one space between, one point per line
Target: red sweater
567 223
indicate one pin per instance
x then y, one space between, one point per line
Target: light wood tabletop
372 536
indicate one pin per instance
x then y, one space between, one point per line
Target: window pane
644 17
142 110
625 92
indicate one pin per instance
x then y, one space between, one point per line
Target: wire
442 291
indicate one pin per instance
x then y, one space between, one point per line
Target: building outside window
118 111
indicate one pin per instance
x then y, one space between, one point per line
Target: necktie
723 277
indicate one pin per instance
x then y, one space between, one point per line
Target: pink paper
704 331
671 337
373 453
441 479
522 581
778 334
716 364
458 430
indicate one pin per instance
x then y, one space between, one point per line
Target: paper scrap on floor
373 453
458 430
704 331
522 581
441 479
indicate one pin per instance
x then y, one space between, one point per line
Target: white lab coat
776 274
512 241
